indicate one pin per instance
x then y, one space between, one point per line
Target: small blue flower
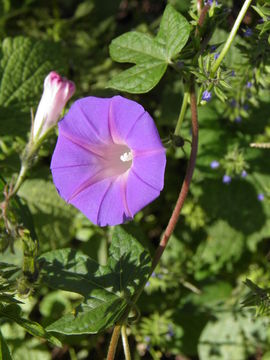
243 174
238 119
260 197
245 106
226 179
206 96
249 84
147 284
248 32
147 339
160 276
180 64
214 164
212 48
233 103
153 274
216 56
233 73
170 330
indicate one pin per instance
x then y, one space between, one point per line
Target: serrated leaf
52 217
140 78
174 31
4 350
12 312
24 65
108 291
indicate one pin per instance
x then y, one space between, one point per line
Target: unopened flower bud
56 93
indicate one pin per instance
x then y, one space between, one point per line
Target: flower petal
89 200
113 209
87 121
144 136
150 168
123 115
71 166
138 193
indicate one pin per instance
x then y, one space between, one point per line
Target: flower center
117 159
127 156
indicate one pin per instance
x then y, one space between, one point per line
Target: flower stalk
182 113
114 342
125 342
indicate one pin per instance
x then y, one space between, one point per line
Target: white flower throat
127 156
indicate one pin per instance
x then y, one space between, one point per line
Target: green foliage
13 312
197 302
151 55
109 291
24 65
4 350
52 217
237 337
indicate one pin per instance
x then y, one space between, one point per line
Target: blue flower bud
226 179
206 96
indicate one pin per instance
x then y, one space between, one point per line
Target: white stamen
127 156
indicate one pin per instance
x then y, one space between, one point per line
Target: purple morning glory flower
226 179
206 95
214 164
109 161
243 174
260 197
249 84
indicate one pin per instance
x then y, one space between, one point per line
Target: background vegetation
192 307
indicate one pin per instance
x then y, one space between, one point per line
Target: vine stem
125 342
185 186
114 342
182 113
231 37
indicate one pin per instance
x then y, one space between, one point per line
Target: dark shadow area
236 203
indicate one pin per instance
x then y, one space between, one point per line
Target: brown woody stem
185 186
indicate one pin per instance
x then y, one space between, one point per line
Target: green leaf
24 65
229 344
140 78
4 351
12 312
151 56
108 291
174 31
52 217
136 48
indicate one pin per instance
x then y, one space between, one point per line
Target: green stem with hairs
182 113
231 37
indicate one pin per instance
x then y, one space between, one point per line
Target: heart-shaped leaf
108 291
151 56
